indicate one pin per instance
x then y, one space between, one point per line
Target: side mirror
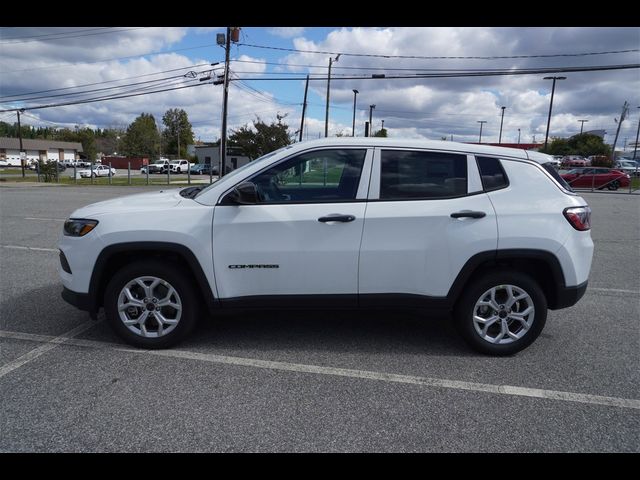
244 194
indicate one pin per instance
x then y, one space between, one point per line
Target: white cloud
286 32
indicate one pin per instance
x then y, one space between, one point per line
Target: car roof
471 148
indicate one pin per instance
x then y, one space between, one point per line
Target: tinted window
422 175
556 176
320 176
491 173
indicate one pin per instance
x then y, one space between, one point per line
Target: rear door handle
337 218
469 214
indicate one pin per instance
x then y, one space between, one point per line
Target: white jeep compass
491 234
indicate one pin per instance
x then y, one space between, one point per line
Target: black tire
176 278
614 185
475 291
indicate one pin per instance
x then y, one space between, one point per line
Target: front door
299 244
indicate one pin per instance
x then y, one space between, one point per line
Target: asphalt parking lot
311 381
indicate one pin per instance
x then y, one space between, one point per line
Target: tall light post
635 148
501 121
371 107
518 136
582 125
23 156
326 116
353 127
553 89
480 137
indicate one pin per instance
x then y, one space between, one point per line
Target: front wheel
502 313
614 185
151 304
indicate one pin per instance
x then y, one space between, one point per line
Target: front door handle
337 218
469 214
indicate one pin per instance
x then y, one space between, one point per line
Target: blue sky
49 59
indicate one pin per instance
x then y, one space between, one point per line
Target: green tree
261 138
176 122
584 145
381 133
141 138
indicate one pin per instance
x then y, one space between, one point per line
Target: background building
46 150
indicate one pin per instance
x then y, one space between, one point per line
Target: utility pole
22 156
518 136
582 125
553 89
326 116
635 148
481 122
625 110
304 108
501 121
225 100
371 107
178 140
353 126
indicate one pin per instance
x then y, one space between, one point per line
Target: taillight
579 217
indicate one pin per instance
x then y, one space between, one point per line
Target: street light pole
518 136
326 115
22 158
353 126
635 148
582 125
553 89
371 107
501 121
481 122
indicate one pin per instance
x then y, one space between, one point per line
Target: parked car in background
159 166
628 166
203 169
180 166
574 161
98 171
598 178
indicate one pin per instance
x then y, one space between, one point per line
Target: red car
596 178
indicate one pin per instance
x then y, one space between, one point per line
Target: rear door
427 215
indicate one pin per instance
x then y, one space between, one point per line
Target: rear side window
551 170
491 173
422 175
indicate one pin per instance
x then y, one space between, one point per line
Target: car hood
142 202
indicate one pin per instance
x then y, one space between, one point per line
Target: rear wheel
501 313
151 304
614 185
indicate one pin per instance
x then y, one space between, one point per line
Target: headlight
79 227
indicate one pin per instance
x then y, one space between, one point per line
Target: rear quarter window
492 174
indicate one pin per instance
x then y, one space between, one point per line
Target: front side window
319 176
422 175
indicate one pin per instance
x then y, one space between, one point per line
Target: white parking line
46 219
349 373
37 249
618 290
49 344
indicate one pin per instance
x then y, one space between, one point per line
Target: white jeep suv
493 235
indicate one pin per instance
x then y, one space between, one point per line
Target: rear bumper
569 296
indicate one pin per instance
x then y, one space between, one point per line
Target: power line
433 57
104 82
140 55
99 99
52 34
532 71
70 36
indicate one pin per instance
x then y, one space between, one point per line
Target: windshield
244 167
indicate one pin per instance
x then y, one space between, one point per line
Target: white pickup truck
180 166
